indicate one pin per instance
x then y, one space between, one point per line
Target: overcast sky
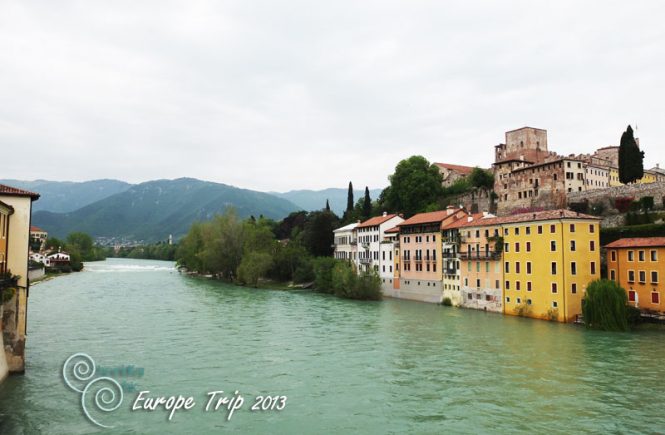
310 94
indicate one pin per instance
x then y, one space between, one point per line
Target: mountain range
151 211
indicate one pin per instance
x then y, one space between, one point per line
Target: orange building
420 246
635 265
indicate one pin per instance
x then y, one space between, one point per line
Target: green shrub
579 207
623 203
597 208
447 302
633 315
323 277
605 306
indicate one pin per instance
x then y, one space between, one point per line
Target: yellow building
5 212
637 265
14 310
549 258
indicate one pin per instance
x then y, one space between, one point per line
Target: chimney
450 210
385 213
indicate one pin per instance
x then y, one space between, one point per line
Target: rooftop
34 229
528 217
377 220
637 242
466 170
348 227
14 191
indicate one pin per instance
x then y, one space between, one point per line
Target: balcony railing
365 260
449 254
480 255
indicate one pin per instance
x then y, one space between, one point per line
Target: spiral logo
101 394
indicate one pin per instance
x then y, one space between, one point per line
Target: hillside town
518 249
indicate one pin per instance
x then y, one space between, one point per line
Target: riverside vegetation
251 251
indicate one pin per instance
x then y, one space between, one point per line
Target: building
452 173
530 264
637 264
420 248
58 259
597 177
480 263
37 234
389 263
38 257
370 234
16 249
5 212
345 243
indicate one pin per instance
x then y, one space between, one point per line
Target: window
528 301
478 283
540 229
572 245
592 245
517 247
517 285
517 231
507 285
507 266
631 276
517 267
554 268
573 288
573 268
643 276
631 256
528 246
552 228
553 246
655 298
640 256
554 288
528 267
505 232
519 300
528 230
593 268
631 296
528 286
496 284
572 228
613 255
507 298
654 277
592 228
555 304
613 275
654 255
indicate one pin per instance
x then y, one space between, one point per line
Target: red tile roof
463 221
8 190
392 230
528 217
637 242
466 170
376 220
34 229
441 216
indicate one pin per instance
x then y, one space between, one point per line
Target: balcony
365 261
353 242
449 254
480 255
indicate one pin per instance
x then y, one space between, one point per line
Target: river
344 366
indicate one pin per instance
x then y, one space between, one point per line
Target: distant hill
66 196
316 199
151 211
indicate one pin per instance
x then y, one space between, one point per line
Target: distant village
518 248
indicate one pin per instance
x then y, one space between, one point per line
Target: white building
387 259
346 245
40 258
58 258
597 177
371 234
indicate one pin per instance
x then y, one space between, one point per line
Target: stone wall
607 196
476 201
415 290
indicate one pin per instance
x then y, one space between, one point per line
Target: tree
367 204
327 205
481 178
349 203
254 266
414 185
631 159
318 237
605 306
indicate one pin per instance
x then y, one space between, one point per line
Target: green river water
344 366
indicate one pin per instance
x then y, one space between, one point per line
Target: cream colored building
597 177
14 311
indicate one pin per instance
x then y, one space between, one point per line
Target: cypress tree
367 204
349 201
327 205
631 159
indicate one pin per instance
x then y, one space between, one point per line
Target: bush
341 279
323 274
579 207
597 208
447 302
605 306
609 235
304 272
623 203
633 315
